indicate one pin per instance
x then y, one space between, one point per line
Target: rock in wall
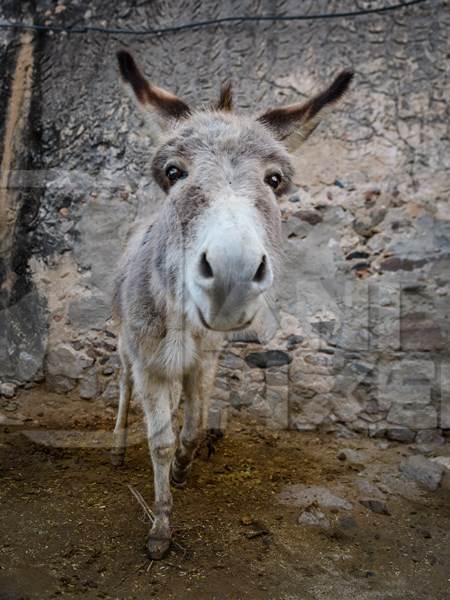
361 331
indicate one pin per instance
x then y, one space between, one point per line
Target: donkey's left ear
150 97
294 124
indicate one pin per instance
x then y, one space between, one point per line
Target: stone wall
360 335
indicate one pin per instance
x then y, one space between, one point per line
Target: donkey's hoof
117 458
157 548
178 482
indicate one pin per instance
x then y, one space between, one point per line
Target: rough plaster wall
363 331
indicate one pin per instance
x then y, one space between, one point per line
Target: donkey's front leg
161 438
197 387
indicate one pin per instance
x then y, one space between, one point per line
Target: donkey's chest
173 355
180 350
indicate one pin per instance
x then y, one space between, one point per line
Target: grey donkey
202 266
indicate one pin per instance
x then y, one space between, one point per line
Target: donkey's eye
273 179
174 173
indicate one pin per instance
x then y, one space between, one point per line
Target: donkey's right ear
151 98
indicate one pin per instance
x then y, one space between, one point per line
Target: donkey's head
223 174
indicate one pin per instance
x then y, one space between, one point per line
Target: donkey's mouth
208 326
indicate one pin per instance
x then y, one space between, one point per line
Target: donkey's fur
201 267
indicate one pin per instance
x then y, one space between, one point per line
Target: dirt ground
70 527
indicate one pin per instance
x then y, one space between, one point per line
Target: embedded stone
305 495
89 385
357 254
89 313
310 216
423 470
356 457
64 360
429 438
443 461
375 505
231 361
395 263
400 434
420 332
271 358
294 340
59 383
8 390
314 517
413 416
111 393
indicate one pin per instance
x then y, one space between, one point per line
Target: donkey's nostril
205 268
261 271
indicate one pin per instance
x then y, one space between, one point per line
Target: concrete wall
360 335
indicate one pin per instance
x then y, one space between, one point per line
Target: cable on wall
206 23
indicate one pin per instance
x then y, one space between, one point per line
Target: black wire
207 23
